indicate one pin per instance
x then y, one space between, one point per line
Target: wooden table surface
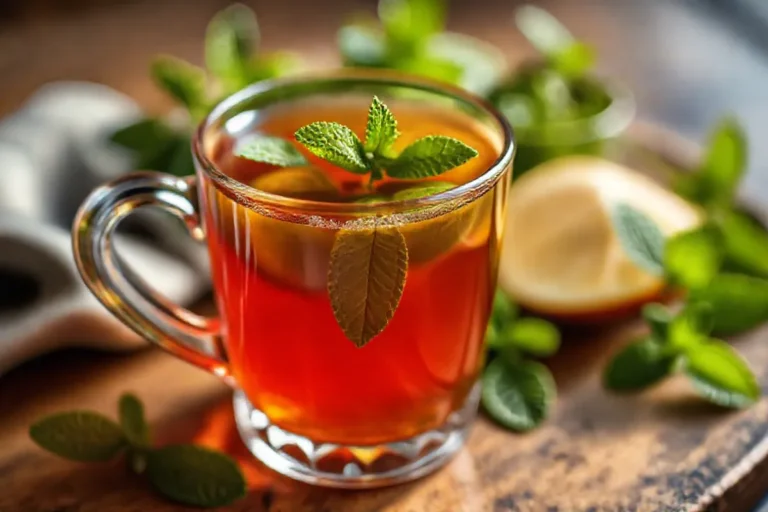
661 451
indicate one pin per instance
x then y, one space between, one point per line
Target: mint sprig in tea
363 326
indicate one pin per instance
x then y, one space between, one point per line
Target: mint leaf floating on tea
336 144
381 129
430 156
186 474
195 476
79 435
272 150
366 279
430 188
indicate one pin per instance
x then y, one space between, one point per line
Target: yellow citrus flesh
561 256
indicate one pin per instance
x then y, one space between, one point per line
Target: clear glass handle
189 336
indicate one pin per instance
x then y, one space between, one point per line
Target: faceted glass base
352 467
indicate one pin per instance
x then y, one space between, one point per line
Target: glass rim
464 192
609 122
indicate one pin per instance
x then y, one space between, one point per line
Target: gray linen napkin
53 151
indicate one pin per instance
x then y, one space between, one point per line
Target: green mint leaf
273 151
724 163
79 435
336 144
691 327
721 376
271 65
381 129
143 133
574 60
532 336
409 23
183 81
637 366
478 66
518 395
193 475
132 420
431 67
231 41
658 318
181 162
544 31
362 45
693 258
640 237
430 156
423 190
746 244
739 303
504 311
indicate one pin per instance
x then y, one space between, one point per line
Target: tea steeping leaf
272 150
430 156
195 476
79 435
335 143
381 129
366 280
427 189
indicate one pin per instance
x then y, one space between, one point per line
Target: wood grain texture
661 451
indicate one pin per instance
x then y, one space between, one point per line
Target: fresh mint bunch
409 36
338 144
187 474
233 61
742 242
682 343
518 392
553 91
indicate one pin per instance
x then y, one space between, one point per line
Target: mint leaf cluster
233 61
716 266
338 144
518 392
547 95
187 474
409 36
682 343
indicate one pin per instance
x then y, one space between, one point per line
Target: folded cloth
53 152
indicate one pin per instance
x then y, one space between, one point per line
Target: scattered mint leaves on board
693 258
82 436
518 392
187 474
638 366
721 375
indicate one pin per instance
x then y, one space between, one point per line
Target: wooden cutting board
661 451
